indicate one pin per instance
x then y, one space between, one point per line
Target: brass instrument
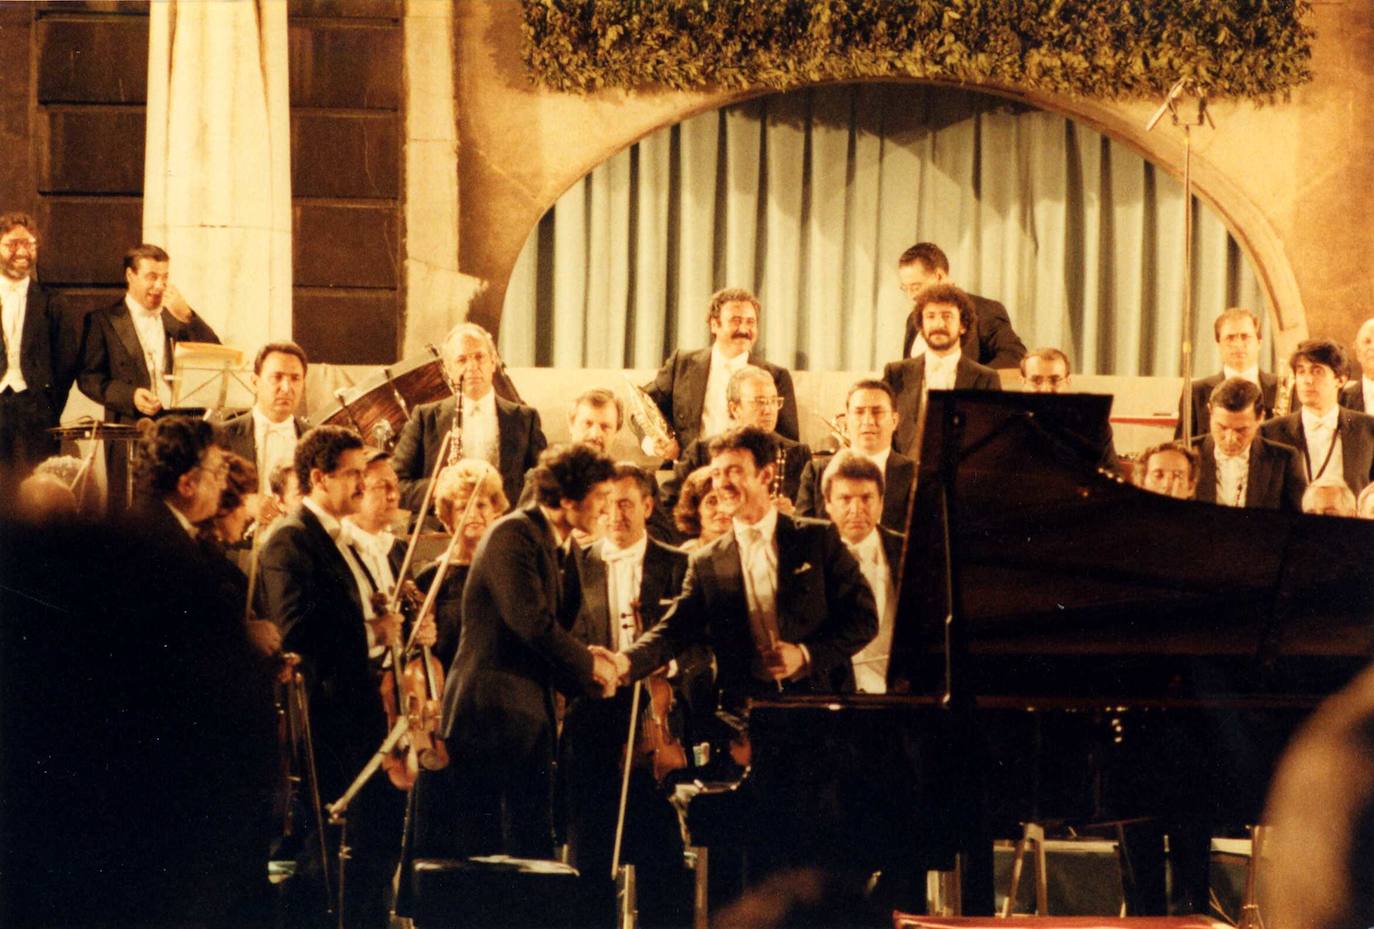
779 466
836 429
646 420
1283 400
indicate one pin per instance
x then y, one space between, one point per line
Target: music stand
99 434
208 375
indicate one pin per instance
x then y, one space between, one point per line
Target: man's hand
669 449
176 304
428 633
603 671
386 629
264 636
784 505
783 660
146 402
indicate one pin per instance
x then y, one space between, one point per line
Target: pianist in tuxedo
1336 444
1047 371
1238 342
853 488
780 600
753 400
870 418
1170 469
690 387
1358 393
1239 468
505 434
992 342
945 313
623 572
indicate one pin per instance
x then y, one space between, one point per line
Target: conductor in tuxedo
1240 468
1358 393
1237 333
38 358
505 434
992 342
690 387
780 600
946 314
870 419
126 349
513 652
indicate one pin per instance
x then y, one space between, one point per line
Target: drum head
379 407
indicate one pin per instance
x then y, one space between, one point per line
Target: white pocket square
806 566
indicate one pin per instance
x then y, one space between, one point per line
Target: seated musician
946 313
1329 498
1240 468
698 514
992 342
1336 444
853 488
1358 395
182 472
626 580
690 388
1046 371
869 421
266 435
779 599
753 401
504 434
1238 342
1168 468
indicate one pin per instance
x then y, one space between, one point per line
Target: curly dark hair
752 439
687 512
171 447
322 447
568 472
240 481
952 296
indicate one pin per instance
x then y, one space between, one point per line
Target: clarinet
779 466
455 443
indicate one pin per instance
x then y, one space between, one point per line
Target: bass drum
379 407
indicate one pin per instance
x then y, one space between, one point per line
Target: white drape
217 175
808 198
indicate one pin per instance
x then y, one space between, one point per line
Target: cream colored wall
1294 181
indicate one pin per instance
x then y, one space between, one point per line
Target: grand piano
1068 648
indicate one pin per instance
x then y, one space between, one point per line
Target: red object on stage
902 920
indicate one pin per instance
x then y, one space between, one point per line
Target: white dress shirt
276 445
870 664
879 458
481 437
152 336
715 411
624 576
1250 374
374 550
1323 445
758 554
941 370
1233 477
14 296
1367 386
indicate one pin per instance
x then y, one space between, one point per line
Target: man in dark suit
38 357
514 650
1238 467
946 314
126 349
690 387
870 418
317 592
183 473
780 600
1358 393
1237 334
992 342
1335 444
626 582
504 434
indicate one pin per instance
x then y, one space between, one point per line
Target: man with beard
992 342
945 314
1238 467
1237 334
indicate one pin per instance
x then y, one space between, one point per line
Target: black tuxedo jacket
1202 391
112 363
664 569
679 389
992 341
898 476
698 455
521 440
823 602
1357 444
907 379
1352 395
47 352
515 647
1275 478
239 437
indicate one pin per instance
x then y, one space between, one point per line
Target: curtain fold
807 198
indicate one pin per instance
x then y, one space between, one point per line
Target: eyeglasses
382 487
765 403
1053 380
219 472
14 245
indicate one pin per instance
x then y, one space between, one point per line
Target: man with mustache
946 313
690 387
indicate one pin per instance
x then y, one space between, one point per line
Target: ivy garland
1112 49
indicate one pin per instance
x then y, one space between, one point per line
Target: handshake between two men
782 661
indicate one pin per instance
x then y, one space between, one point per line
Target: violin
412 689
655 745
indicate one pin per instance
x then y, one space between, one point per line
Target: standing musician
1336 444
946 314
753 400
627 581
992 342
1357 395
369 528
870 419
513 652
690 388
506 435
1238 467
780 600
1237 334
318 593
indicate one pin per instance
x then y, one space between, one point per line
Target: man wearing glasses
1046 371
183 472
690 387
36 365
